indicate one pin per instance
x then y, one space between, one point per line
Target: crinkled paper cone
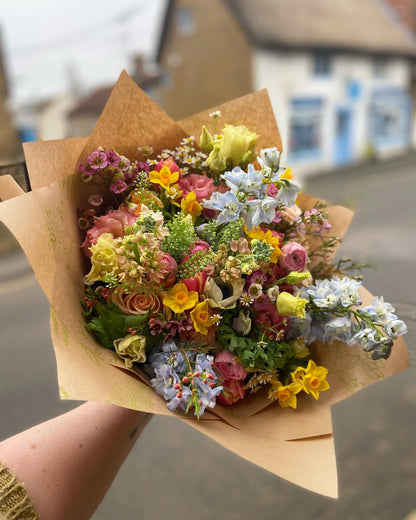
294 444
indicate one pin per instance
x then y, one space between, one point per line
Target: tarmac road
174 471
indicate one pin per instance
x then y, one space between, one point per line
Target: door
343 137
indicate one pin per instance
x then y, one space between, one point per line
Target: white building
338 72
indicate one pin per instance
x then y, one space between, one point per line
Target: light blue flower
260 211
228 205
338 328
395 328
270 158
287 193
250 183
379 311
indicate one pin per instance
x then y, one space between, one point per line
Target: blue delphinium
334 293
260 211
184 378
249 183
227 204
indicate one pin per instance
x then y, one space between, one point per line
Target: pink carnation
113 222
202 186
169 162
226 363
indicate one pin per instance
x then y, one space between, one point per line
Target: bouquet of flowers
199 273
206 279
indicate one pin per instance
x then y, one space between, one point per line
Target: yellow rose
103 259
131 348
289 305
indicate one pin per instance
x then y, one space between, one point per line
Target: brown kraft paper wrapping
294 444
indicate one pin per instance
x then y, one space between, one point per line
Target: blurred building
83 116
338 72
10 146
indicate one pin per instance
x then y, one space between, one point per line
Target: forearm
69 462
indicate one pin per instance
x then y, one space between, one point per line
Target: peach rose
136 303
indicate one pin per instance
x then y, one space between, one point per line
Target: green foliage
110 323
182 236
254 356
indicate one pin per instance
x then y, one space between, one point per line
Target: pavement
187 474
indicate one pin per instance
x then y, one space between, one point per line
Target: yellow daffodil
179 299
201 318
287 174
312 378
268 237
164 177
190 206
285 394
289 305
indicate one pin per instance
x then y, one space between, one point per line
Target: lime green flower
131 348
237 146
103 259
294 277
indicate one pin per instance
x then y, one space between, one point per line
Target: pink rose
233 391
171 267
113 222
226 363
199 245
269 320
293 257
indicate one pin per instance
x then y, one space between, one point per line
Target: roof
94 102
370 26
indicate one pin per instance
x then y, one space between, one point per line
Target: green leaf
111 324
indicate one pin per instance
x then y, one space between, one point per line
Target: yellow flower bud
206 142
289 305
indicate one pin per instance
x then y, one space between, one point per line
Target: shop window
305 128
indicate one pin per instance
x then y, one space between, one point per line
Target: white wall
289 75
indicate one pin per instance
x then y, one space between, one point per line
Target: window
380 67
390 119
305 128
184 21
322 64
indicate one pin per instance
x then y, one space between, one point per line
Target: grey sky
43 39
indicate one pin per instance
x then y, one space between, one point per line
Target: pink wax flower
113 222
293 257
202 186
171 267
272 190
233 392
98 160
227 365
199 245
169 162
